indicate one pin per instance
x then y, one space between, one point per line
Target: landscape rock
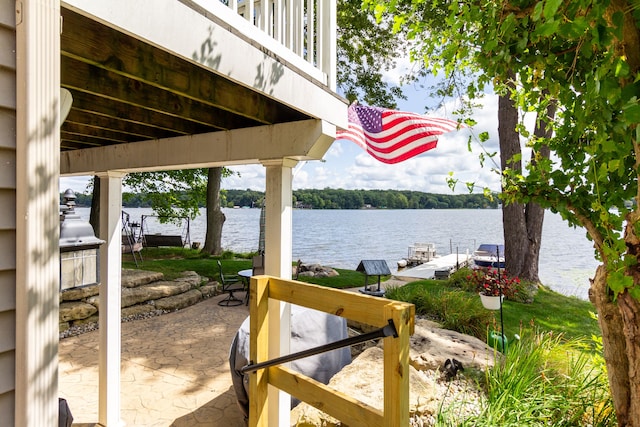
71 311
177 302
94 318
75 294
144 294
210 289
131 278
429 389
315 270
431 346
153 291
137 310
190 277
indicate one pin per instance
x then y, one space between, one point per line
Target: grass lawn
173 261
550 310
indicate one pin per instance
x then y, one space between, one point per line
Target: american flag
393 136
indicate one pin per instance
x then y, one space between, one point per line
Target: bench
155 240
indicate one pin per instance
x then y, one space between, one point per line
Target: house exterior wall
7 210
37 211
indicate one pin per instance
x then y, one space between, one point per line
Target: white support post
299 27
249 12
278 25
311 28
328 40
110 294
36 81
265 20
278 262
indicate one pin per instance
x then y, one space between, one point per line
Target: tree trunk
613 342
94 214
514 222
215 216
534 213
522 224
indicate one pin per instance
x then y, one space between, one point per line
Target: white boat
489 255
418 253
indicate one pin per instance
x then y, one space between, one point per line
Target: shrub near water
454 309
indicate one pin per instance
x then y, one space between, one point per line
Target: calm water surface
341 238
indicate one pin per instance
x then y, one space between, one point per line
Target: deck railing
307 28
362 308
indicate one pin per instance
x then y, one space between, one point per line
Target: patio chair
230 283
258 265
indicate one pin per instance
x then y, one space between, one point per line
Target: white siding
37 258
7 211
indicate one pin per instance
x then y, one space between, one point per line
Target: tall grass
544 381
454 309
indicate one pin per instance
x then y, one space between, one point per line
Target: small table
246 275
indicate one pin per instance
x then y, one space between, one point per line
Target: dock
439 267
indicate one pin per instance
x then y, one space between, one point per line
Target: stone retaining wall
142 292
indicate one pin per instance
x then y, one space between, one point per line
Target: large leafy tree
583 59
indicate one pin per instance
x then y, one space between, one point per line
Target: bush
468 279
545 381
453 309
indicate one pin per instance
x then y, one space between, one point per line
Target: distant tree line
329 198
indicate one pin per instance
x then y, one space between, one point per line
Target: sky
347 166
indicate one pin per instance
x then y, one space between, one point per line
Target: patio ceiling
125 90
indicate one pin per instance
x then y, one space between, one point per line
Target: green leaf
618 282
551 7
632 113
537 11
547 29
622 68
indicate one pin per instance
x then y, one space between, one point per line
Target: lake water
341 238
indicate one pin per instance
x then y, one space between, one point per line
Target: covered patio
156 85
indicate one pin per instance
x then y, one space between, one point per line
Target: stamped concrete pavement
174 369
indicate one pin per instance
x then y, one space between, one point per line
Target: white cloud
246 177
336 150
77 183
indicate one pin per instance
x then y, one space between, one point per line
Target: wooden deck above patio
156 69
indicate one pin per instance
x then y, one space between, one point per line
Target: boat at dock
438 268
489 255
418 253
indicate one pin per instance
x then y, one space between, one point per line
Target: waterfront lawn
173 261
441 300
550 311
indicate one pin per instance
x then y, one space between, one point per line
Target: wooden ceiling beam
134 114
114 124
106 134
83 77
101 46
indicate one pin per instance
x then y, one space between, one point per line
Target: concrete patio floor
174 370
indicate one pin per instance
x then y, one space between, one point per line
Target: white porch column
32 90
110 293
278 258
